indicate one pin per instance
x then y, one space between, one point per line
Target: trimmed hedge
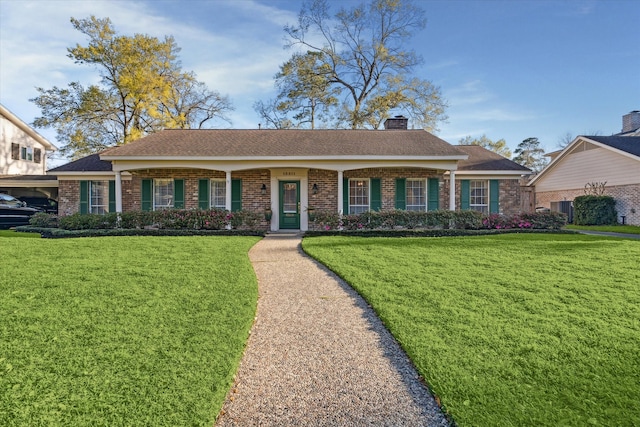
169 219
440 219
594 210
435 232
59 233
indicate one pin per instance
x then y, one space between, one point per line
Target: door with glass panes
290 204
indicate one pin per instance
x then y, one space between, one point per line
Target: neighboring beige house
596 159
291 171
23 158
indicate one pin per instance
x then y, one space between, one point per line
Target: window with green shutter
203 194
345 196
146 195
236 195
178 193
401 193
112 196
494 196
433 194
464 195
376 194
84 197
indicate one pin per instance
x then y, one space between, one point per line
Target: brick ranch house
290 172
614 160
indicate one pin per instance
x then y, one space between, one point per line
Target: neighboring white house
23 158
614 160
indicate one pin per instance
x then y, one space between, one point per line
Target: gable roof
91 163
26 128
628 146
270 143
481 159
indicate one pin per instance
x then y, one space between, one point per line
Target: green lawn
121 331
627 229
509 330
13 233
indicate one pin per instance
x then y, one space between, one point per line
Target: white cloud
235 49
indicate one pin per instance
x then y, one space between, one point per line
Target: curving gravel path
318 355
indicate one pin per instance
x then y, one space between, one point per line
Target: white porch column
118 191
452 190
227 201
340 192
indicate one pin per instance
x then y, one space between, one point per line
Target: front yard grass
122 331
508 330
13 233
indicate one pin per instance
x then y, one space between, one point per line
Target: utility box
566 207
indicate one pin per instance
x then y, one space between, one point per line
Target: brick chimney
395 123
631 121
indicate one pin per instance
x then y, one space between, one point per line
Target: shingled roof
269 143
628 144
481 159
91 163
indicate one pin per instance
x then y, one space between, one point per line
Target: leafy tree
530 154
273 117
142 90
362 55
499 146
305 89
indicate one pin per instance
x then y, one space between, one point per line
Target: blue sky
508 69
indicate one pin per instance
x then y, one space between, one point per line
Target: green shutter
178 193
146 194
401 193
112 196
345 196
433 194
494 196
236 195
84 197
203 194
375 204
464 195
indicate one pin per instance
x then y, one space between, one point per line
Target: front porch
290 193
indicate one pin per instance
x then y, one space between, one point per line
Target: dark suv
44 204
14 212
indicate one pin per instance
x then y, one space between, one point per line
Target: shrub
44 220
88 221
327 220
545 220
467 220
594 210
245 219
538 221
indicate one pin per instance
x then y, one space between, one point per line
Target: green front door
290 204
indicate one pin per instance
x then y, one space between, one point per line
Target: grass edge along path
508 330
116 331
624 229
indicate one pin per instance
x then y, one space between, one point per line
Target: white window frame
218 201
474 199
163 190
357 208
26 153
98 197
421 207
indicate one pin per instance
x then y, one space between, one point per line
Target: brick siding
252 181
509 200
627 200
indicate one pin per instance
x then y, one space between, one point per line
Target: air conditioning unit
566 207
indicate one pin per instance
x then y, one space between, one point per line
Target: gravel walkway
318 355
